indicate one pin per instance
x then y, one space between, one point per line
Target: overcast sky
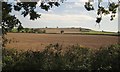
70 14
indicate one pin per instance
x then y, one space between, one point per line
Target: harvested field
25 41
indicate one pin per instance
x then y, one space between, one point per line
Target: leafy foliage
8 21
26 8
88 6
107 58
111 9
54 58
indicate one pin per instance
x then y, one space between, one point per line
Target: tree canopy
28 8
111 9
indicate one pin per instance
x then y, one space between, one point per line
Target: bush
107 58
54 58
77 58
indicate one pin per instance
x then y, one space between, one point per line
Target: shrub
77 58
54 58
107 58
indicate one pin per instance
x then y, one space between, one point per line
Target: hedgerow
55 58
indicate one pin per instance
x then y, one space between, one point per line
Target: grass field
32 41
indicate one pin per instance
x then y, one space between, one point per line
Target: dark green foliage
111 9
107 58
103 11
26 8
88 6
20 27
29 9
98 20
39 31
8 21
54 58
77 58
48 5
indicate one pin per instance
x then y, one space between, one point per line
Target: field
32 41
66 31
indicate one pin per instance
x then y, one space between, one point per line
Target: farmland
32 41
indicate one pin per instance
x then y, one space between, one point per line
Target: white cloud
76 0
74 5
66 17
78 4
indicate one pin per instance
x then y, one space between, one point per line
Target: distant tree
72 27
118 32
44 31
80 29
103 31
20 27
62 31
36 30
22 31
26 30
32 30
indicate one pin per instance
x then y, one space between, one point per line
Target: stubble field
36 42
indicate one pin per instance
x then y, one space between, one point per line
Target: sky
70 14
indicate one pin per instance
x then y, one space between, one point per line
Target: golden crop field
32 41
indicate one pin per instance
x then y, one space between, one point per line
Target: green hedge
55 58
